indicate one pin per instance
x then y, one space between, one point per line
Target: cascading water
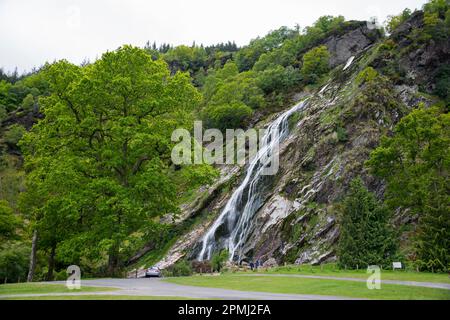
236 217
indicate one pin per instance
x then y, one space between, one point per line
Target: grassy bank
42 288
340 288
333 271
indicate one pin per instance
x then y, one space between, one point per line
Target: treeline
413 161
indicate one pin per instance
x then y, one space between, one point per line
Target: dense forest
86 176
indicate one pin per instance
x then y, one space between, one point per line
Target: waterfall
246 200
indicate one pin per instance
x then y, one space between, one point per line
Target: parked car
153 272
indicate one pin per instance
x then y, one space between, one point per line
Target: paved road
158 287
403 283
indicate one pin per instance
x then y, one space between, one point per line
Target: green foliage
436 20
375 99
369 74
3 112
13 135
218 260
415 163
228 86
180 269
366 238
394 21
184 58
442 79
28 102
315 64
439 7
98 162
247 56
278 78
341 134
9 222
329 23
229 116
14 257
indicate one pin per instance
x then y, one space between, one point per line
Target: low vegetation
338 288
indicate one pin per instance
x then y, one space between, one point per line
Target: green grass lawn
100 297
291 285
41 288
332 271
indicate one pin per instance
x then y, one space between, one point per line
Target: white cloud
32 32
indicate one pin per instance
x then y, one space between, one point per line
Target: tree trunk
32 266
51 264
113 261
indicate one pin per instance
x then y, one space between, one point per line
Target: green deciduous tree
98 162
277 78
315 64
228 116
394 21
13 261
9 222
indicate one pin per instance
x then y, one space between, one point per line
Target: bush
278 78
3 112
369 74
394 21
61 275
315 64
9 222
202 266
14 257
341 134
442 88
230 116
14 134
218 260
179 269
28 102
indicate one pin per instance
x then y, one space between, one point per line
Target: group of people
255 265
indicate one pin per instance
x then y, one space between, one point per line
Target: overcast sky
33 32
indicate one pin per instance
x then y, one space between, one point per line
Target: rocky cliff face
329 142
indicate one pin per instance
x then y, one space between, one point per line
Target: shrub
218 260
278 78
9 222
369 74
315 64
179 269
14 257
230 116
442 88
394 21
61 275
14 134
3 112
342 134
28 102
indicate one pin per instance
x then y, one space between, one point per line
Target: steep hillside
374 83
